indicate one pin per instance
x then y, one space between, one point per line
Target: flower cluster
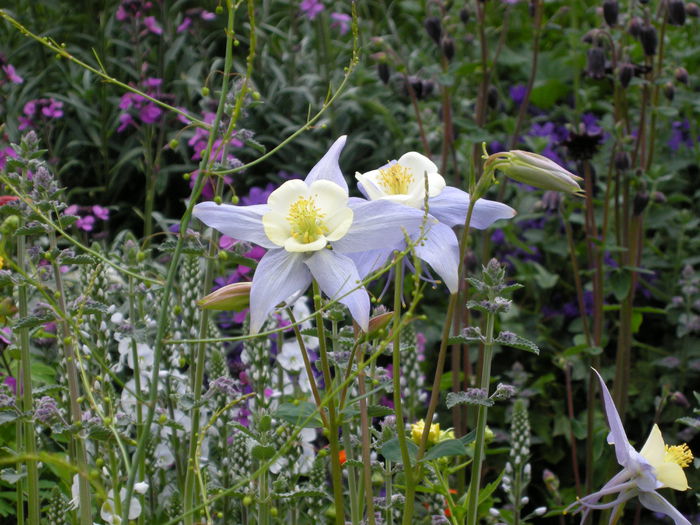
87 215
135 105
39 110
313 230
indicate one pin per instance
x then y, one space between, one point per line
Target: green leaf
9 415
467 398
637 319
447 448
515 341
620 281
32 320
392 451
298 414
543 277
263 452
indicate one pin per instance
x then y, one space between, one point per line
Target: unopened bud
492 97
611 10
383 72
676 12
595 67
659 197
635 26
681 75
235 296
649 40
692 9
464 15
535 170
641 199
448 48
434 28
539 511
590 36
669 91
622 161
625 73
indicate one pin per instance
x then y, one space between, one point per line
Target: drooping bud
692 9
649 40
635 26
676 12
659 197
589 37
595 67
464 15
535 170
448 48
492 97
234 296
681 75
669 91
625 72
611 10
622 161
434 28
383 72
427 86
641 199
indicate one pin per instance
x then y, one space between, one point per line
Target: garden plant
334 262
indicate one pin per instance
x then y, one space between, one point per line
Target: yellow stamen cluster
306 220
395 179
679 454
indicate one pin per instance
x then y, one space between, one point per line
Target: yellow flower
417 432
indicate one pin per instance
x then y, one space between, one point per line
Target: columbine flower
404 182
298 225
656 466
535 170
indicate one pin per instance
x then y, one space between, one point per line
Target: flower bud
535 170
448 48
659 197
649 40
676 12
595 67
625 73
635 26
692 9
641 199
492 97
681 75
383 72
434 28
234 296
464 15
611 10
669 91
622 161
427 88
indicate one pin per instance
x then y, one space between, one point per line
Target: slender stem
336 474
473 497
366 461
25 391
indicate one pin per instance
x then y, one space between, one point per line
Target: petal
417 164
657 503
440 249
339 224
338 278
292 245
617 432
654 449
240 222
671 475
282 198
327 168
369 261
276 227
328 196
379 225
279 275
368 185
450 207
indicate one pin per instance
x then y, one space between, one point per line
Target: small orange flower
342 457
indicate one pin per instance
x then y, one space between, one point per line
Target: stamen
395 179
679 454
306 220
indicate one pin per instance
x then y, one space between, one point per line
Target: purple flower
100 212
258 195
680 135
341 21
311 8
150 113
186 23
5 153
40 109
208 15
302 218
86 223
125 121
11 74
517 93
152 25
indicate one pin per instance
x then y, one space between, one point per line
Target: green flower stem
365 438
473 497
336 474
77 444
398 406
353 491
307 366
388 491
29 439
263 500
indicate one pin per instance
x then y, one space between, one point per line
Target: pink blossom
208 15
186 23
71 210
86 223
125 121
341 21
11 74
100 212
150 113
311 8
5 153
152 25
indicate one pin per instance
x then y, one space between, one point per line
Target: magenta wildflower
40 109
86 223
186 23
341 21
100 212
5 153
11 75
208 15
311 8
152 25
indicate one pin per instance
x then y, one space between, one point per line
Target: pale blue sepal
617 435
337 277
378 225
369 261
328 168
279 275
450 207
440 249
657 503
240 222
